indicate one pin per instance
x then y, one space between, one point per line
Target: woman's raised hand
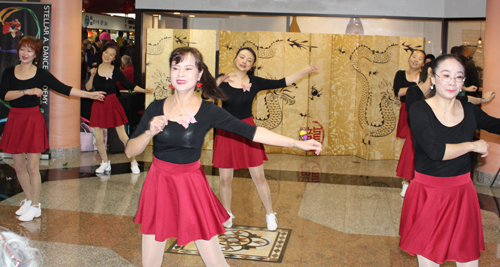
157 124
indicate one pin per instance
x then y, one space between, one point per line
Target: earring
171 86
432 86
198 85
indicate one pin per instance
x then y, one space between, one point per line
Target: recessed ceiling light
177 13
191 16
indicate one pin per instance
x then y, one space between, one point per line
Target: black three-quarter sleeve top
239 103
108 84
430 138
176 144
400 81
42 77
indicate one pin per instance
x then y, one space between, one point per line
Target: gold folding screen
349 105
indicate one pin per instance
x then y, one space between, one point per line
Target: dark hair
454 50
251 71
429 56
113 45
417 50
424 72
461 50
32 43
209 89
437 62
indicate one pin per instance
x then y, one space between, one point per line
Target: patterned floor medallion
246 243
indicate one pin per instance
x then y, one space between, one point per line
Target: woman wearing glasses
441 219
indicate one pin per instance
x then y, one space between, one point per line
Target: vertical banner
19 20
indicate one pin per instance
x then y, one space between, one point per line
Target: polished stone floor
336 210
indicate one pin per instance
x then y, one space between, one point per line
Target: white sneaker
105 167
31 213
229 222
405 187
25 205
272 221
134 166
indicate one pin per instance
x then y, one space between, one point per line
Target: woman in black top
402 81
441 219
232 151
25 130
110 113
176 199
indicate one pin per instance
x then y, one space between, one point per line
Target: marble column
491 82
64 129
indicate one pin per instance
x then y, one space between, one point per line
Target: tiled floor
341 210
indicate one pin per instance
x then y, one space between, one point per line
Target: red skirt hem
177 202
403 129
236 152
441 219
25 131
108 113
406 163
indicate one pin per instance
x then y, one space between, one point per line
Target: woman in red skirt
176 199
25 130
109 113
441 219
402 81
232 151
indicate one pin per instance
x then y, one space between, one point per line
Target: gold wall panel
294 99
342 112
318 97
268 105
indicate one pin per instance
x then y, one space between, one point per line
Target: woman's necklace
181 110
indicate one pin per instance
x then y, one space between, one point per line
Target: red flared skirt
403 130
25 131
406 163
108 113
236 152
177 202
441 219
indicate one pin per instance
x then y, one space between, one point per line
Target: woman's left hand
98 95
149 90
311 68
487 97
309 145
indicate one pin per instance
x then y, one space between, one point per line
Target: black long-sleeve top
400 81
108 85
42 77
414 94
176 144
430 138
239 103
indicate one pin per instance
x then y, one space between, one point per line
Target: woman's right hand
226 78
156 124
35 91
93 71
481 147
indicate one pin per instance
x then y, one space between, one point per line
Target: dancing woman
110 113
176 200
232 151
441 218
25 130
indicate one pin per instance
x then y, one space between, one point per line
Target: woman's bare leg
101 147
260 181
35 178
152 251
226 189
23 175
424 262
211 252
120 130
